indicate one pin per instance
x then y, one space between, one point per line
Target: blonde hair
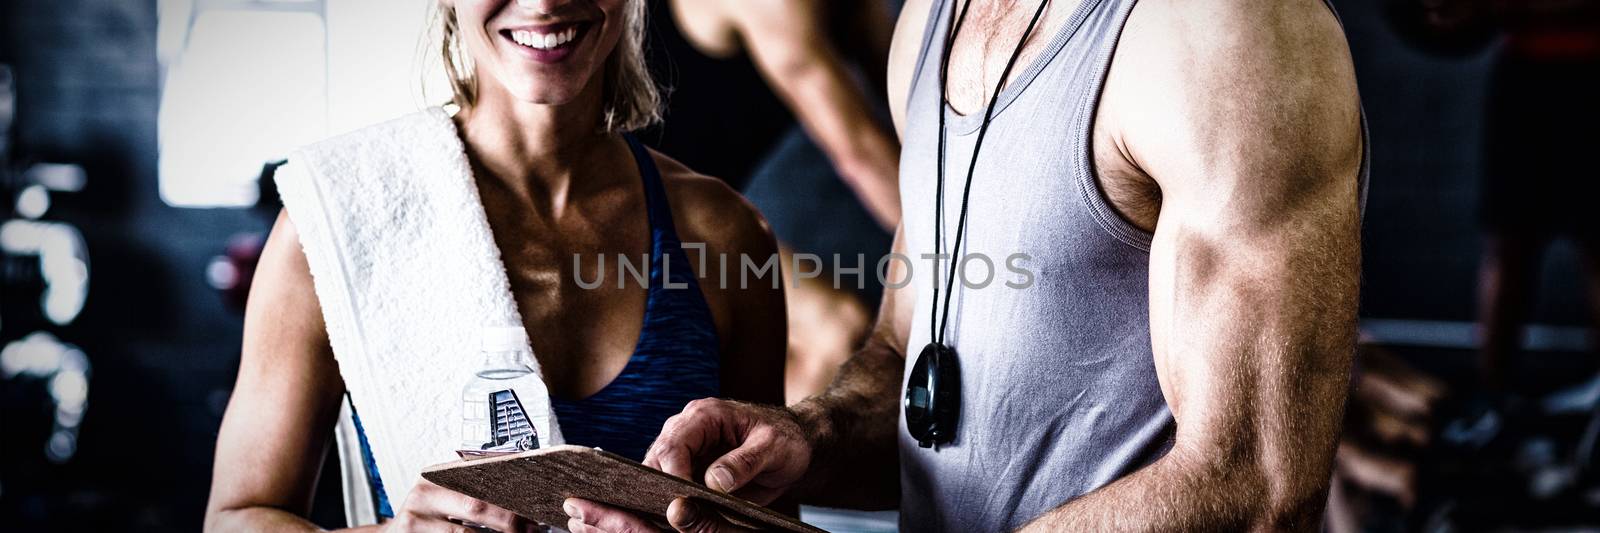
631 100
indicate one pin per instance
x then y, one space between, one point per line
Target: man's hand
838 446
770 450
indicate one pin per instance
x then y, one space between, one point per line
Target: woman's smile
546 43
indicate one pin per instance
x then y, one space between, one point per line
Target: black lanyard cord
940 321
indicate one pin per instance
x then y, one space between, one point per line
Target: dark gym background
164 345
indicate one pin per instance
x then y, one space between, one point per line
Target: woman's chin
549 99
545 93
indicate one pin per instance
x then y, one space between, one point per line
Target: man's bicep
1255 260
1253 299
1254 331
1253 324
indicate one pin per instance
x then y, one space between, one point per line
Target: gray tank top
1058 383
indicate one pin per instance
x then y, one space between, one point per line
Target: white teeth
544 41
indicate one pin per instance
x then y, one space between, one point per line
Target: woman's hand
682 515
431 508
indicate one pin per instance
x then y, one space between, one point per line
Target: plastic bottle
504 379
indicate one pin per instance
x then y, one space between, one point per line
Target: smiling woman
401 242
632 100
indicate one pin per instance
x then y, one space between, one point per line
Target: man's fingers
687 517
686 434
759 494
576 526
593 516
671 458
736 468
766 457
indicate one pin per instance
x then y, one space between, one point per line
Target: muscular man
1177 357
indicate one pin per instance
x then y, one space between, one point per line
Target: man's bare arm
788 41
1246 115
836 448
853 423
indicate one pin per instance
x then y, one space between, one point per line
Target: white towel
407 273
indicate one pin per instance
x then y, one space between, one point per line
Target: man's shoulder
1223 29
1217 80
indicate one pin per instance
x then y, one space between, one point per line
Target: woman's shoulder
359 180
400 134
414 147
707 210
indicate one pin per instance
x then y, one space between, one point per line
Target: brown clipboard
533 484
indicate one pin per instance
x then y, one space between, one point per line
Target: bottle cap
504 339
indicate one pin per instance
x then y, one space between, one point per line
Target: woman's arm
277 427
754 360
751 322
720 230
285 402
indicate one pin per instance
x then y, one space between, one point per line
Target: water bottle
505 407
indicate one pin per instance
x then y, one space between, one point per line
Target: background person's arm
788 40
1246 114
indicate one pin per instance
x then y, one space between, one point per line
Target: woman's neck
545 154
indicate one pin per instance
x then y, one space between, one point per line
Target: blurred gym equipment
44 274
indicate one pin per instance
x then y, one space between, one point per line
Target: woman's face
539 51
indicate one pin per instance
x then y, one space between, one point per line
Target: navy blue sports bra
676 360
